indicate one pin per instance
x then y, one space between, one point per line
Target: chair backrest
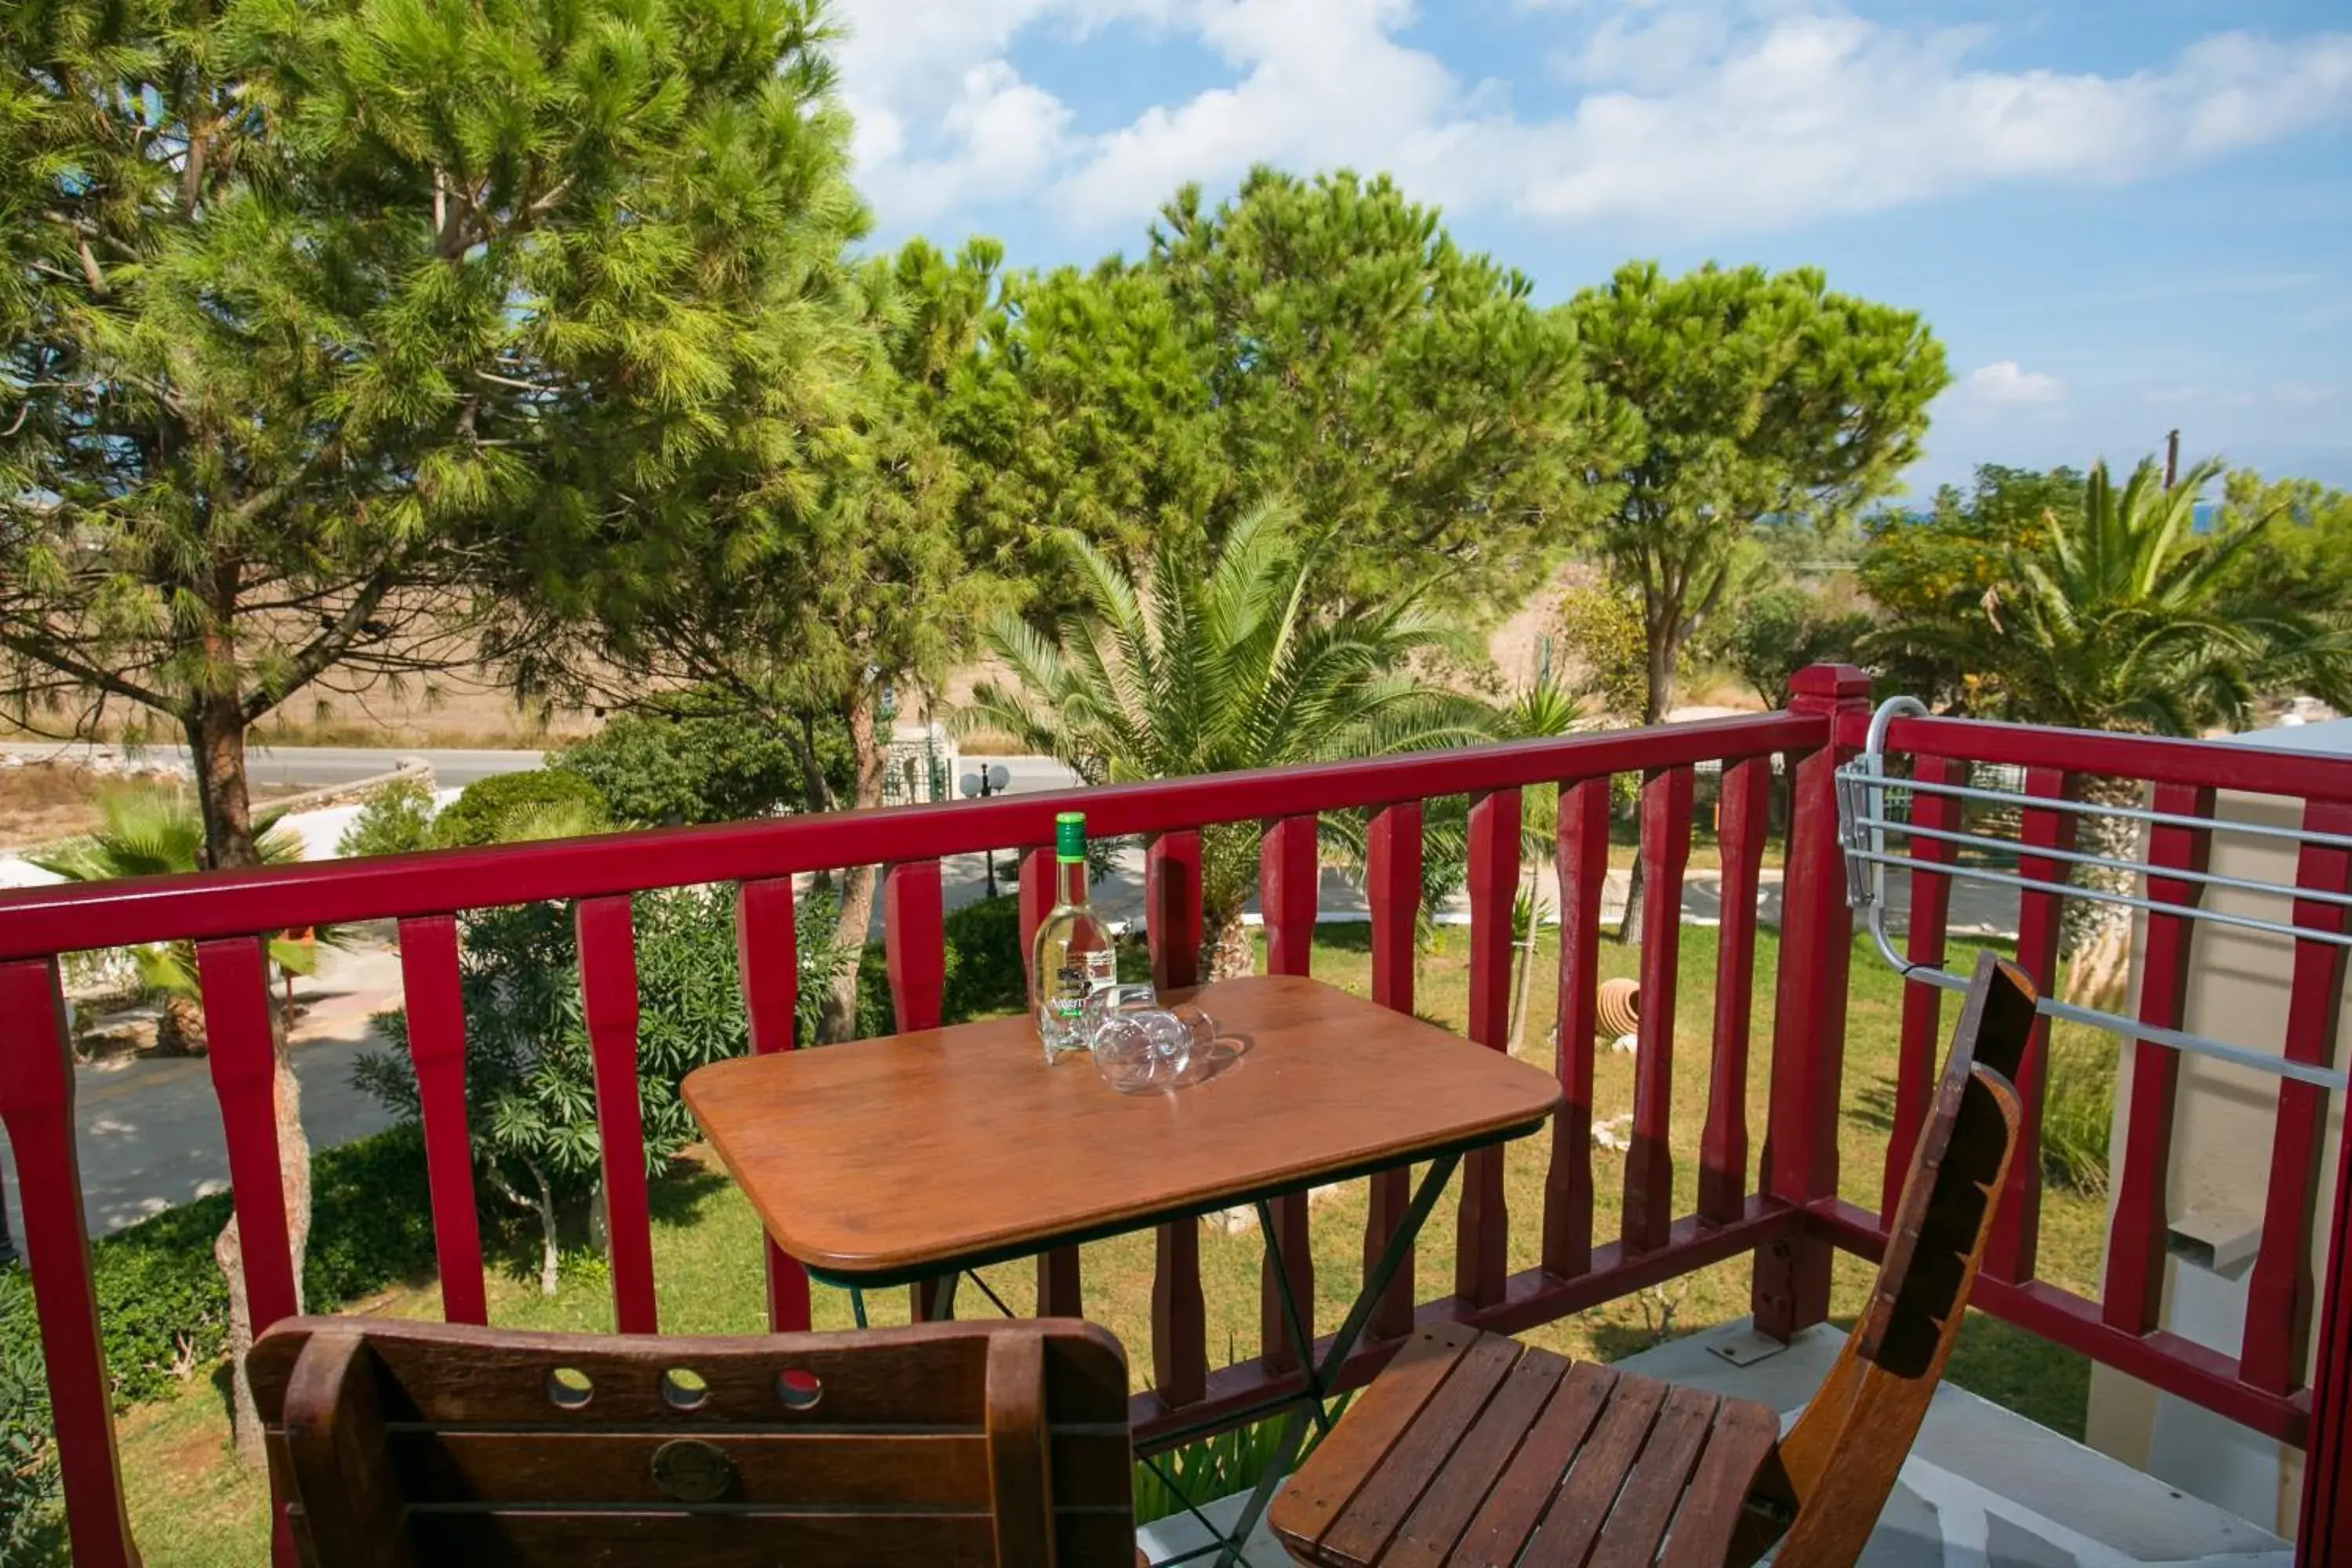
1841 1458
406 1443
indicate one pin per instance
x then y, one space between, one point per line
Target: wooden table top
882 1160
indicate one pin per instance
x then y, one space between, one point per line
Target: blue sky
2120 215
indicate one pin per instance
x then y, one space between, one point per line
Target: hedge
161 1300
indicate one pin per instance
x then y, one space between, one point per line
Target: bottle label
1078 975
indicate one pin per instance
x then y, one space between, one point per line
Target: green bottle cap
1070 835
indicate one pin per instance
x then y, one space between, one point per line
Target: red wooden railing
1783 1206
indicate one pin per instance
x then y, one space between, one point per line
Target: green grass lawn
191 1505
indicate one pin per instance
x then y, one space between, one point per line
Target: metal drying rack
1865 820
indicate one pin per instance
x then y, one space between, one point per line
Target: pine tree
325 320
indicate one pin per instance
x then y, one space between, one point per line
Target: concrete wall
2220 1172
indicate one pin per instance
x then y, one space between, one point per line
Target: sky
2120 216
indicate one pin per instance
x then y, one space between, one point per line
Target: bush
395 820
2078 1109
986 973
499 808
32 1503
161 1301
671 769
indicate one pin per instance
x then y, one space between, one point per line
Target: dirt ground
41 803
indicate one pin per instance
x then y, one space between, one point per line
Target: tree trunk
228 1252
551 1251
179 1026
1657 701
838 1014
1230 953
216 750
2098 936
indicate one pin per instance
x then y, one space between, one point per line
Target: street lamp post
980 784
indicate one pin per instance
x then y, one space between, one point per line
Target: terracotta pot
1618 1009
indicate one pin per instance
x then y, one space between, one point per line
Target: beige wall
2239 983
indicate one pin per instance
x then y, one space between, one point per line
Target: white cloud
1697 119
2002 384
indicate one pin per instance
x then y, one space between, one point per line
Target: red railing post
2132 1290
1482 1235
1290 877
767 965
2280 1287
608 994
437 1048
1791 1289
1923 1005
37 1098
1583 877
1393 889
2015 1246
1744 803
233 974
1179 1323
2323 1535
1647 1221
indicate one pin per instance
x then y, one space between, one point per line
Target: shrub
395 820
32 1503
2078 1107
986 973
674 768
499 808
161 1301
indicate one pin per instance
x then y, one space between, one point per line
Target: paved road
319 767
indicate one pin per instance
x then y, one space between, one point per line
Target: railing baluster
1180 1331
914 942
2279 1289
1583 859
1393 889
1482 1235
2132 1294
1060 1293
1923 1005
2324 1531
2040 916
1172 905
1288 872
36 1100
1791 1285
914 947
436 1048
1649 1216
232 973
1179 1322
767 966
1744 801
608 994
243 1053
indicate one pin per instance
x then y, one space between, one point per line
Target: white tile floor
1983 1488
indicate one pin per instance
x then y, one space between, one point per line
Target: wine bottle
1072 953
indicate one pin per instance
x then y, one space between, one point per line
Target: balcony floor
1983 1488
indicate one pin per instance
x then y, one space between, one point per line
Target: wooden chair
402 1443
1472 1449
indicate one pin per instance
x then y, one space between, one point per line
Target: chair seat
1472 1448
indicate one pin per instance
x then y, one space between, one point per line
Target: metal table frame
1301 1404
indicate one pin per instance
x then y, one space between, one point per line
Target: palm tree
1211 663
2125 617
158 833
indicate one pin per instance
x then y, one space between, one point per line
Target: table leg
1319 1376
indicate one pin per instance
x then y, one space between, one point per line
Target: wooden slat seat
996 1445
1473 1451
